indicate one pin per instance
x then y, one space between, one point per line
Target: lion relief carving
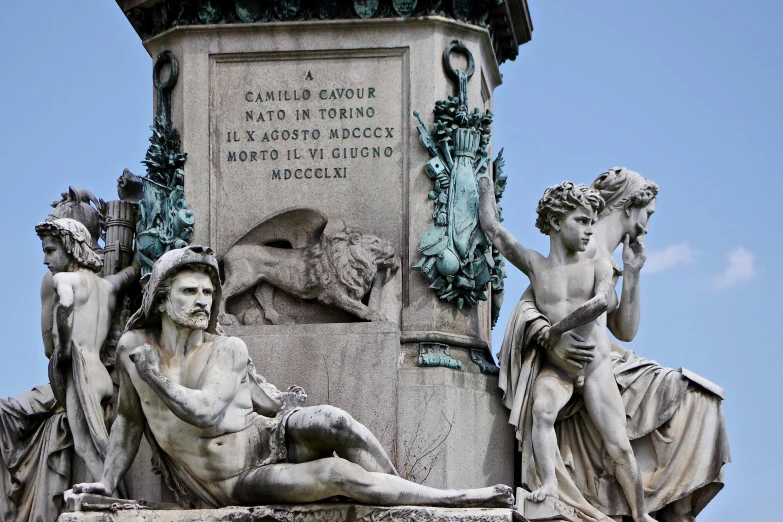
338 270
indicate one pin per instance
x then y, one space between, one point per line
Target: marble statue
223 436
35 456
81 309
673 418
339 269
36 444
573 293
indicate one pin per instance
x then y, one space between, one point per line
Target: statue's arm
572 347
125 277
624 320
126 432
64 299
47 314
218 386
507 244
125 435
263 402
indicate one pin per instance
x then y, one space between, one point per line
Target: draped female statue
674 417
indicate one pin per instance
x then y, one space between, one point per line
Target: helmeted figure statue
81 311
222 435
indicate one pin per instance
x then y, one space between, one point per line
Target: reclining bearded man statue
223 436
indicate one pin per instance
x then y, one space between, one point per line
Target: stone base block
453 429
327 512
549 509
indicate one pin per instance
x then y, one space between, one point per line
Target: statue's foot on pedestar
495 496
547 490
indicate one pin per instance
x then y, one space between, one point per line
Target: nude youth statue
226 439
79 314
574 293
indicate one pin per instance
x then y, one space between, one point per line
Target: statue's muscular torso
228 442
561 289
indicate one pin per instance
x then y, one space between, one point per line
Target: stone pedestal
330 512
317 115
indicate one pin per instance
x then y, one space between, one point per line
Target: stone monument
336 157
284 138
304 174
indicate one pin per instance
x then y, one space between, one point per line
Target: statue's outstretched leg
551 392
329 477
319 431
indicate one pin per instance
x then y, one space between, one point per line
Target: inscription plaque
325 130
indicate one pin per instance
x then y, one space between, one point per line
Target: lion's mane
342 257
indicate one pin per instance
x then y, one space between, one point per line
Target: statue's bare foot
647 518
547 490
495 496
502 495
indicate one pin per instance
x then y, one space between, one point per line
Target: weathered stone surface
330 512
140 480
452 430
338 269
289 125
351 365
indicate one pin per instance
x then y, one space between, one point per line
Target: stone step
322 512
548 509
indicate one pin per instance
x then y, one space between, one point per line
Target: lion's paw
226 319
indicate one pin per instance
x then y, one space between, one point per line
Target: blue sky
687 93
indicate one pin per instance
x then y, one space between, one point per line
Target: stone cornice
508 21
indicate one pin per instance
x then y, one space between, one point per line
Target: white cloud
671 256
741 268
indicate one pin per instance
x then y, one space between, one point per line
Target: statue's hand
549 337
574 349
294 397
634 253
98 488
146 359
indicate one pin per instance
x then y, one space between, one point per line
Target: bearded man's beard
195 319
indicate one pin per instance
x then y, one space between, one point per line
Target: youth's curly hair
560 200
76 241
